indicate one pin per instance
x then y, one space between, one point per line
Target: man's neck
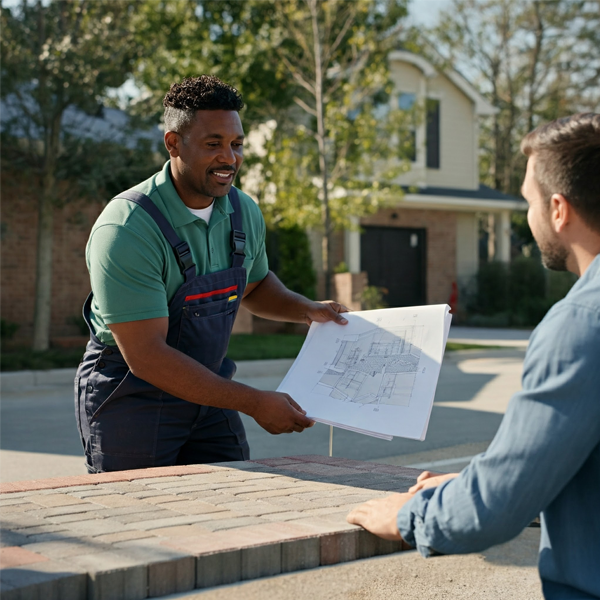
190 198
581 258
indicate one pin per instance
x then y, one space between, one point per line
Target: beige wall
458 130
458 160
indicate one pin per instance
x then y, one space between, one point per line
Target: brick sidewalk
136 534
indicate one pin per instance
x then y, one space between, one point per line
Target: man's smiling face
208 156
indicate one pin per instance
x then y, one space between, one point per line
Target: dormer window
407 140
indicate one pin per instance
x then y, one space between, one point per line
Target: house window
407 140
432 134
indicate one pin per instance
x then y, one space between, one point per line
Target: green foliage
226 38
8 329
56 358
342 130
518 294
372 297
290 259
535 61
241 347
341 268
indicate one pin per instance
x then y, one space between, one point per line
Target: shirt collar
178 212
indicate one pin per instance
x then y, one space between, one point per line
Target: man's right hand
278 413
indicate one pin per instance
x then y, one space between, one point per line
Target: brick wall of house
70 280
441 244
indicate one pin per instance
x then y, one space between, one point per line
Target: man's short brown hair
567 162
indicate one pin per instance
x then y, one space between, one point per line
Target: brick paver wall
136 534
70 280
441 244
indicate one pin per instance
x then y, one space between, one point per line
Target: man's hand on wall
379 516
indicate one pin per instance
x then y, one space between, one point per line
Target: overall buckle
184 256
238 242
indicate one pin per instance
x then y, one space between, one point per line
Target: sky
425 12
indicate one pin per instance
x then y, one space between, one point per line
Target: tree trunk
327 248
43 279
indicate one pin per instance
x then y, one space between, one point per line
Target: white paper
376 375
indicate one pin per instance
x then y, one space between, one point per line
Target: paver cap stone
137 534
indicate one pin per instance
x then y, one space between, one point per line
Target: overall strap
238 237
182 251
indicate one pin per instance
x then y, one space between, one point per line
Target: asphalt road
38 436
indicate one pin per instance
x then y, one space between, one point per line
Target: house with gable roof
426 247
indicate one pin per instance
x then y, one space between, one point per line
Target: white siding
458 158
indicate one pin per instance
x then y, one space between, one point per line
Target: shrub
372 297
290 259
518 294
8 329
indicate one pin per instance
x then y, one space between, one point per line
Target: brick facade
441 244
70 280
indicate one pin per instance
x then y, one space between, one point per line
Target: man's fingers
336 309
302 420
424 475
415 488
295 404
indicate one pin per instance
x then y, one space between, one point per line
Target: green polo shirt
133 269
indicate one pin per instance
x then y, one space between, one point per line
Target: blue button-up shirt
545 458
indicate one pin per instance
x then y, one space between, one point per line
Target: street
39 437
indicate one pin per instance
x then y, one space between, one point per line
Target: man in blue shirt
545 457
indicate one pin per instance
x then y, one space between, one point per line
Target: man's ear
560 212
173 142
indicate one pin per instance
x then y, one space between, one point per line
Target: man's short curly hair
198 93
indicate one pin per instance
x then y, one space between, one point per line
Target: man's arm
549 431
149 357
270 299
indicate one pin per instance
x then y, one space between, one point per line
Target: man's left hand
321 312
379 516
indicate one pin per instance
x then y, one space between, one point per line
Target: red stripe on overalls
213 293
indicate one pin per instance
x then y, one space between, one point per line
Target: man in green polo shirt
170 262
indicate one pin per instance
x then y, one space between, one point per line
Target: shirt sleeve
126 275
549 430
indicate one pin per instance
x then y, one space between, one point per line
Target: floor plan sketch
376 367
376 375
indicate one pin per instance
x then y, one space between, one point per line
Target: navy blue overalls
127 423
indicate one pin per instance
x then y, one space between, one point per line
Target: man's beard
554 256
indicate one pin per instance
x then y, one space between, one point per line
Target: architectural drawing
376 367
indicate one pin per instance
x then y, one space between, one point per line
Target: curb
17 381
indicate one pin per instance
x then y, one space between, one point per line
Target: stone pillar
352 247
502 232
348 288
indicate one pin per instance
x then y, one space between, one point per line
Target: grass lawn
241 347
